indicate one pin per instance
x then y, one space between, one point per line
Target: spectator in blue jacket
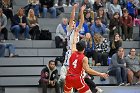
131 8
84 29
19 25
98 27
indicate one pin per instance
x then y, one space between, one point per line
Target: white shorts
67 57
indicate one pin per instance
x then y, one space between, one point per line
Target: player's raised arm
81 17
72 16
91 71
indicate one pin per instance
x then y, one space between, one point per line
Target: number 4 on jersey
74 64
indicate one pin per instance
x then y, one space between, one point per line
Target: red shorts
76 82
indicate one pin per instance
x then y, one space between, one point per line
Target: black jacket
49 3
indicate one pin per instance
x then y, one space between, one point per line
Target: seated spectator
102 15
127 25
130 6
101 46
20 25
89 51
3 23
133 65
49 77
35 5
7 7
97 4
89 7
98 27
2 50
61 32
88 19
115 7
117 67
10 48
33 24
114 25
122 3
115 43
48 6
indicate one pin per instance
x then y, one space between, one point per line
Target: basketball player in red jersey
78 63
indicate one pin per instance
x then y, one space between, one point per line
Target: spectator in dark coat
48 6
20 25
114 25
3 23
7 7
49 77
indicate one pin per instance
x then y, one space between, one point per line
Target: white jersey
70 39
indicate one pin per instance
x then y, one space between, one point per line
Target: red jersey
76 64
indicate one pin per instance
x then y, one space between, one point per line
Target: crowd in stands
107 24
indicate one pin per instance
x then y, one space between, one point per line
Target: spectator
61 33
49 77
48 6
117 67
102 15
20 25
97 4
114 25
7 7
10 47
122 3
115 44
3 23
133 65
2 50
89 50
115 7
127 25
89 20
101 46
88 5
33 24
35 5
98 27
131 8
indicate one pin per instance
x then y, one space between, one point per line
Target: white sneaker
131 39
64 5
99 90
56 5
27 39
16 39
70 5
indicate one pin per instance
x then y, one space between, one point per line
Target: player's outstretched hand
76 5
83 7
104 75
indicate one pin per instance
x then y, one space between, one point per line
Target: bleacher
21 74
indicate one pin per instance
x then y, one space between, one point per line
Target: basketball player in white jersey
73 32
